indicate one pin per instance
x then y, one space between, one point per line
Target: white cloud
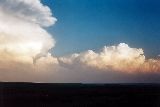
21 34
121 58
30 10
115 58
119 63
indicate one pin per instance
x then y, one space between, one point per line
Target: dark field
79 95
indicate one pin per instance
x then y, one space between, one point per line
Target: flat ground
79 95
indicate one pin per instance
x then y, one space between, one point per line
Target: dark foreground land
79 95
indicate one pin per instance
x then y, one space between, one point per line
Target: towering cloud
21 29
114 58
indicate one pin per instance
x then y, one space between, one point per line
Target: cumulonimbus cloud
22 35
24 56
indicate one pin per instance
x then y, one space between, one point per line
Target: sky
106 22
80 41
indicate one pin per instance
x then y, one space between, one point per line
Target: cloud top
114 58
30 10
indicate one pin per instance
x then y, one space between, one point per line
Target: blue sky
91 24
